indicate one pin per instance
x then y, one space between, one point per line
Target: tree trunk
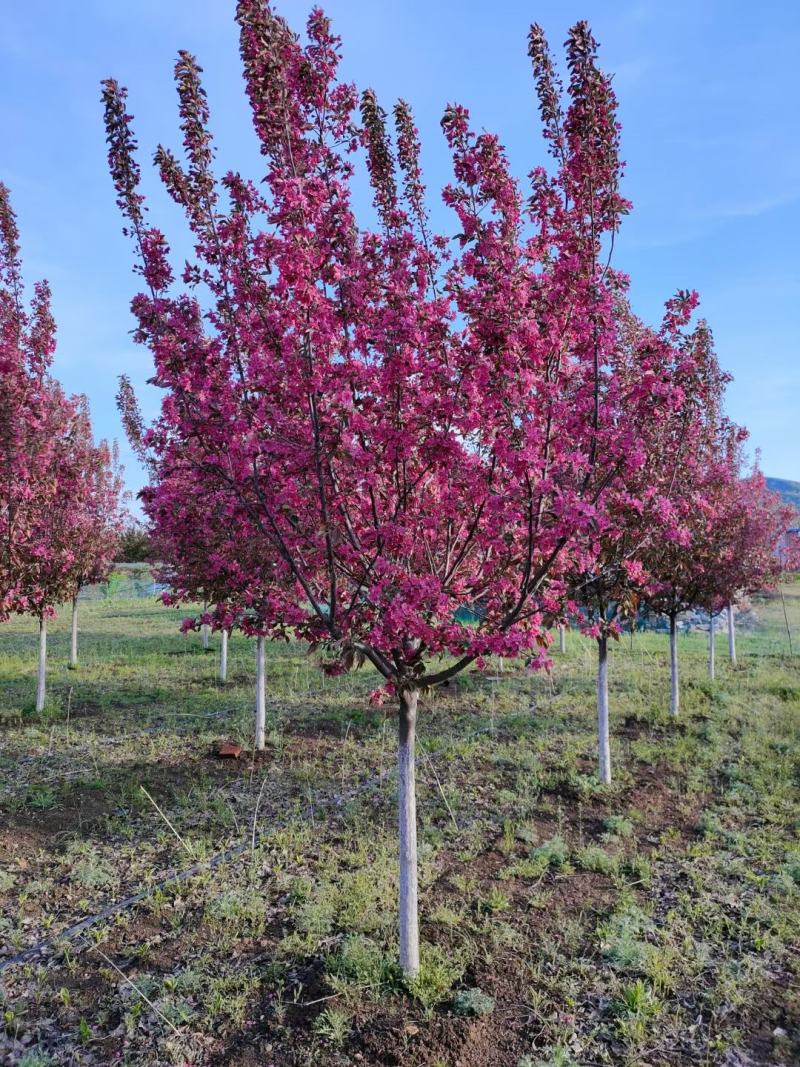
261 695
604 746
731 634
223 657
675 692
407 803
73 644
712 673
204 632
40 681
562 640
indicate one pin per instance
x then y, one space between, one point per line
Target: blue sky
711 135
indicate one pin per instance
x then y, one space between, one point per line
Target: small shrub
90 871
792 866
36 1059
40 796
240 911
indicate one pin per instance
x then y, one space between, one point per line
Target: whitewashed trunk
73 644
562 640
204 633
261 695
40 681
407 805
223 656
675 691
731 634
712 667
603 741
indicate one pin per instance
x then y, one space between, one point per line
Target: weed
493 901
472 1002
362 963
594 858
618 826
333 1024
637 999
621 939
437 975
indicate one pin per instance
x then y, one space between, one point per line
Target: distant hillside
790 491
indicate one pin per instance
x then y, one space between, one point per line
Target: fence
127 581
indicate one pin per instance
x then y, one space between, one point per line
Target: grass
563 922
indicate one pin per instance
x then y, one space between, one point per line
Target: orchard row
408 443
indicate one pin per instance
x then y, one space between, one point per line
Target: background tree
743 546
42 492
699 440
606 575
134 544
99 516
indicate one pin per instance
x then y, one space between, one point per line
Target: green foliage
333 1025
494 900
472 1002
438 973
637 999
618 826
594 858
622 941
362 963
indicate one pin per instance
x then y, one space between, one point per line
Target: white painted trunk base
731 634
261 695
40 680
712 666
73 644
204 631
675 690
223 656
603 740
562 639
407 806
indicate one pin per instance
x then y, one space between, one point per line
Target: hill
790 491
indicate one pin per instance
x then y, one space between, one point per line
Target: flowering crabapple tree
207 553
402 424
743 553
42 486
100 513
204 551
699 441
607 573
